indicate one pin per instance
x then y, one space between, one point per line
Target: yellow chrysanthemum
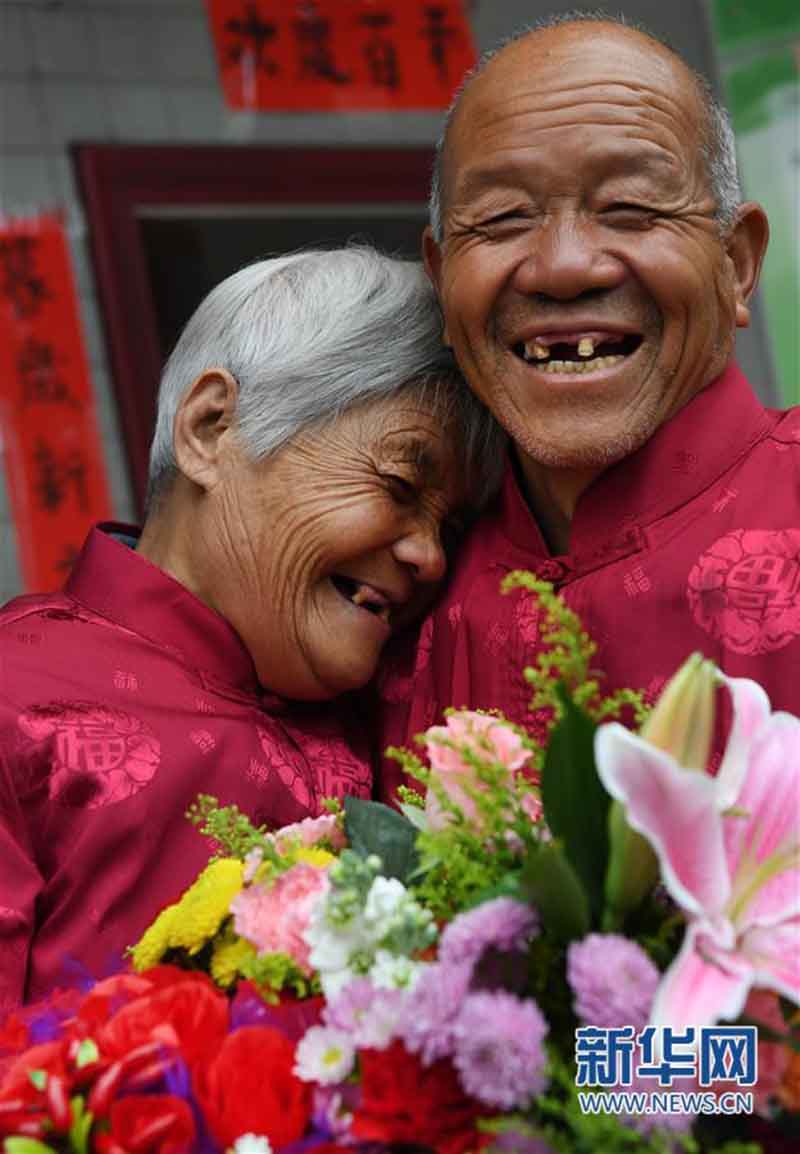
227 959
312 855
195 918
154 942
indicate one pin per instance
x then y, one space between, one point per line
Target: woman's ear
204 415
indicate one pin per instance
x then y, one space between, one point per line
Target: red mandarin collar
684 457
112 579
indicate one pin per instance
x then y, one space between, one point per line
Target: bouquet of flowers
537 923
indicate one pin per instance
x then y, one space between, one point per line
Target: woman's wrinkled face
321 547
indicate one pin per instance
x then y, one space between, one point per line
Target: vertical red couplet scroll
340 54
52 453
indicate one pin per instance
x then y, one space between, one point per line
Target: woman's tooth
585 347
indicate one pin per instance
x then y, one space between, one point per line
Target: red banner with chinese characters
340 54
53 457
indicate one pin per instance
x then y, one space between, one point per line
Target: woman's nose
421 549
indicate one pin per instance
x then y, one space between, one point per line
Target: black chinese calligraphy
38 375
313 32
59 476
380 52
439 35
21 284
251 35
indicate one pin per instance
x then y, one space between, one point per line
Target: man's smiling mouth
577 352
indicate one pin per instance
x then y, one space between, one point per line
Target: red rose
49 1056
149 1124
249 1088
189 1014
106 998
404 1101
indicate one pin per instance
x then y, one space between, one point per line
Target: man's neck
552 495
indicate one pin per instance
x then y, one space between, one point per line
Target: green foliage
575 801
553 888
233 831
372 828
273 973
565 659
26 1146
410 797
82 1122
467 859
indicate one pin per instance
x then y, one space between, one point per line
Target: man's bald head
570 30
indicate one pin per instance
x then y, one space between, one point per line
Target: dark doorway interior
188 254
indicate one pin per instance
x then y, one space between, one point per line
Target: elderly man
593 259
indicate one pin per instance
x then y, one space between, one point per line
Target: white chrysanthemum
385 898
324 1055
392 972
251 1144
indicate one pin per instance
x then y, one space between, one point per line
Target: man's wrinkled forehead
544 68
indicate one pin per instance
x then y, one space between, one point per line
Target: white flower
390 972
385 899
251 1144
324 1055
380 1025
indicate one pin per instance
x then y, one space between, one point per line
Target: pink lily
729 851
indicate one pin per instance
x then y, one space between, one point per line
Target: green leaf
26 1146
551 885
81 1126
38 1078
374 828
574 800
87 1053
417 816
508 887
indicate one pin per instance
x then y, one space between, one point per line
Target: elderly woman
313 444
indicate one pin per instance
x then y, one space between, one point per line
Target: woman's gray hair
310 335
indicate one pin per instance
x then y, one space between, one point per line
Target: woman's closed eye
403 489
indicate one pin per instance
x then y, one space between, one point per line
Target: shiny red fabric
121 699
692 543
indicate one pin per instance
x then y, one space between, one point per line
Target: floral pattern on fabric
745 590
98 756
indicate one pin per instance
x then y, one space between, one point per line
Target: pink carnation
274 917
311 831
494 741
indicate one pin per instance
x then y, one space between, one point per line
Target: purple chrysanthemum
427 1026
613 980
499 1051
369 1014
502 924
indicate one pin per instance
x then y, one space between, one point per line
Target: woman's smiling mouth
363 596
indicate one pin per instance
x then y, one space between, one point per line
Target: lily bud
632 871
682 721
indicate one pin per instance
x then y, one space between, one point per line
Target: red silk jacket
691 543
121 699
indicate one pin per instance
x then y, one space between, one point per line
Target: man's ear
203 416
746 246
432 259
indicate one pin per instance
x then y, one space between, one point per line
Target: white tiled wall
128 70
143 70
